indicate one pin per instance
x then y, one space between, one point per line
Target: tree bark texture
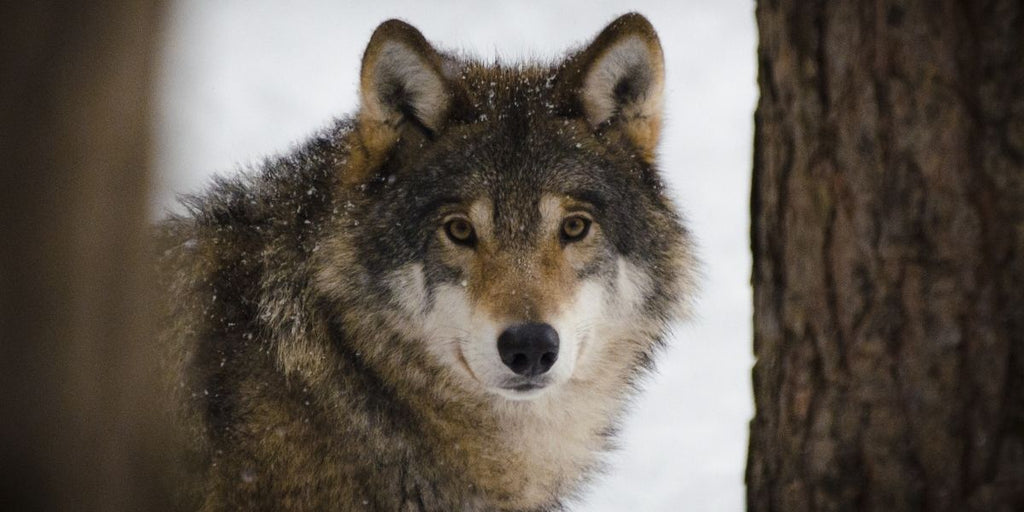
888 245
80 420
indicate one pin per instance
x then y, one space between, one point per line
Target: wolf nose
529 349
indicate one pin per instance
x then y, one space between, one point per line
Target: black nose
529 349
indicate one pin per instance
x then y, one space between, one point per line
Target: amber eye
460 231
575 228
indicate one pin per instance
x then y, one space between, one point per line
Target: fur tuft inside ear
619 80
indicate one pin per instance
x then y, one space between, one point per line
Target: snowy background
246 78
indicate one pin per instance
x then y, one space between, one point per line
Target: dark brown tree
80 426
888 243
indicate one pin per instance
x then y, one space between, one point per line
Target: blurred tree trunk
888 243
80 425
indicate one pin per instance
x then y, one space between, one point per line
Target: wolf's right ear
401 86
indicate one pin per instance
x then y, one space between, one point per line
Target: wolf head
510 219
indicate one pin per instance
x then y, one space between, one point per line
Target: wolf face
512 215
513 301
516 253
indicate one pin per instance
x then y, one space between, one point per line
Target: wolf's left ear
618 81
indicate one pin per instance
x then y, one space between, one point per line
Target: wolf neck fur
557 439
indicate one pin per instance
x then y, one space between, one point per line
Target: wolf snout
529 349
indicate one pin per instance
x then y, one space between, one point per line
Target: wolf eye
575 228
460 231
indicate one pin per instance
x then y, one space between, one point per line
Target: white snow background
242 79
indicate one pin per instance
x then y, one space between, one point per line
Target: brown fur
532 284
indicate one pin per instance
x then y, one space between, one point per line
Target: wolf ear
618 81
401 86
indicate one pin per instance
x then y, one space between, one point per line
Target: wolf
443 302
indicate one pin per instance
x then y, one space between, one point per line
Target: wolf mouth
523 386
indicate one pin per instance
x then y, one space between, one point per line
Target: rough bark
888 242
80 427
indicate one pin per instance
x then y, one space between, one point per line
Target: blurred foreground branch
81 421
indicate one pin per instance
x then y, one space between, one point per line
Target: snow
244 79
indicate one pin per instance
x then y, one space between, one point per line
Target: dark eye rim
587 221
469 240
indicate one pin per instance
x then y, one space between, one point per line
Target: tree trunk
80 424
888 244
